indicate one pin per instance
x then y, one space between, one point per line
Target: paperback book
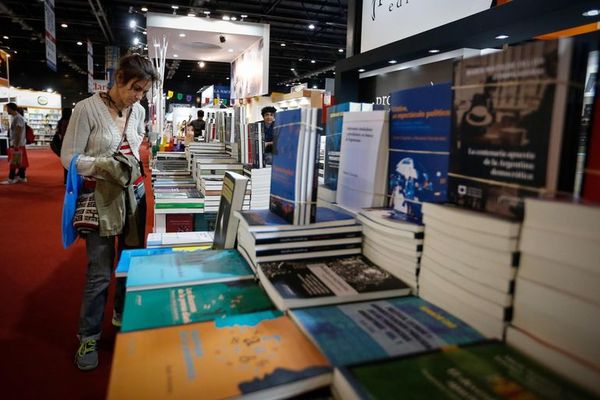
259 356
419 147
334 280
232 199
181 268
181 305
360 332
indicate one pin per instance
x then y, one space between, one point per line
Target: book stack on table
468 265
393 241
260 187
557 301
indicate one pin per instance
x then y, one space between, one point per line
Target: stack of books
557 301
265 237
171 166
260 187
468 265
204 150
178 201
295 165
210 179
179 239
393 241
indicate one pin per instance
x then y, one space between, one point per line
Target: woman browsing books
105 133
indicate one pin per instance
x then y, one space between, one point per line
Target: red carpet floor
41 285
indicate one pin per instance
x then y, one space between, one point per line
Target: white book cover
363 160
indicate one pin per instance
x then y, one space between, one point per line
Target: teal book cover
360 332
186 268
181 305
483 371
127 255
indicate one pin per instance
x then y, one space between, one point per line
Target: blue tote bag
74 183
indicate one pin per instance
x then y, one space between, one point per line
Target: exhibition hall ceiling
306 37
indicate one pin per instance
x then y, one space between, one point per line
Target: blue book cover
420 124
286 164
266 220
186 268
361 332
333 141
127 255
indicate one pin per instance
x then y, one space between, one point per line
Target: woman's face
133 91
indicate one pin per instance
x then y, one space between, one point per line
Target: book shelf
43 121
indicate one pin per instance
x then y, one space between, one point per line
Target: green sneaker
87 355
116 319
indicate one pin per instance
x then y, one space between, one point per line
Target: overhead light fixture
174 7
206 12
132 24
187 76
312 61
182 35
392 62
361 70
201 64
136 41
282 44
314 86
502 37
15 52
311 26
5 37
292 69
191 14
144 33
434 51
227 78
230 50
175 55
591 13
340 50
234 18
49 90
79 43
144 9
64 25
243 16
226 18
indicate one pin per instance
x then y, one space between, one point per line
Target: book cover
509 117
180 222
262 354
323 281
183 268
232 199
265 220
286 168
128 254
156 308
488 370
360 332
419 147
363 160
333 141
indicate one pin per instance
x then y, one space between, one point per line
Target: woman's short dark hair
268 109
136 66
12 106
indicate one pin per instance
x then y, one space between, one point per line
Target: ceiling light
591 13
136 41
5 37
361 70
314 86
182 35
64 25
132 24
144 33
312 61
227 78
434 51
201 64
144 9
206 12
243 16
175 7
292 69
392 62
191 14
230 50
175 55
311 26
282 44
502 37
145 48
234 18
15 52
79 43
187 76
49 90
226 18
340 50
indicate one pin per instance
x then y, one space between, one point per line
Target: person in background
61 129
268 114
105 133
17 146
199 125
